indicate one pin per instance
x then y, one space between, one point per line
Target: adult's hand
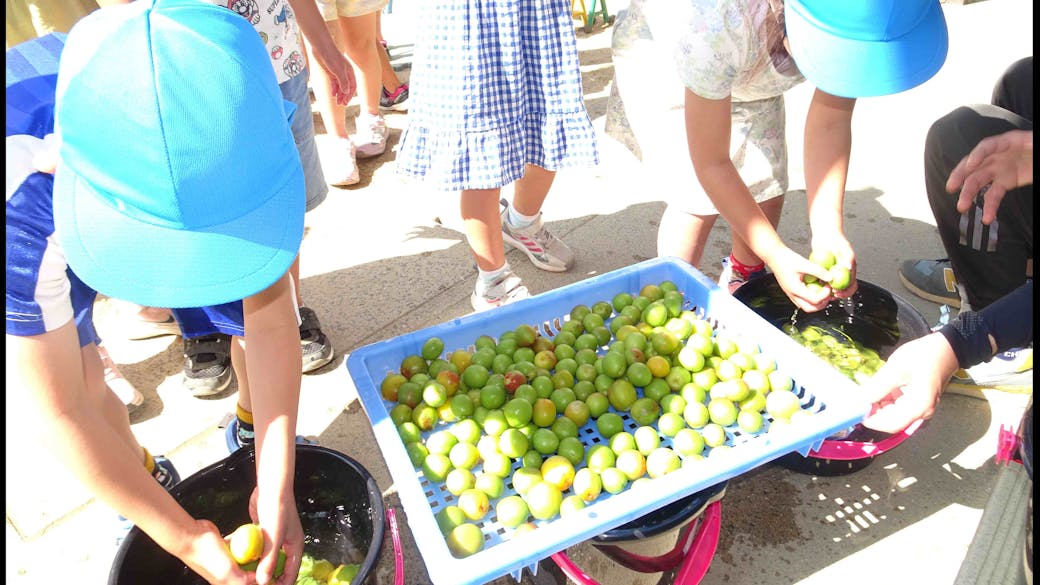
908 386
997 165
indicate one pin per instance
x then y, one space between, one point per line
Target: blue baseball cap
179 183
862 48
32 74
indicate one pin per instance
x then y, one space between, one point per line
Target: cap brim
158 266
856 68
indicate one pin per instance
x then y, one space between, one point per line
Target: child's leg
387 75
240 433
333 115
496 282
294 271
359 35
532 189
482 218
359 41
683 234
523 228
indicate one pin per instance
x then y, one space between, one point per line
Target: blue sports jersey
42 293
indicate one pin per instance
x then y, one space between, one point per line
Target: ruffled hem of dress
454 160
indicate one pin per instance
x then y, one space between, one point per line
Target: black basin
873 316
340 506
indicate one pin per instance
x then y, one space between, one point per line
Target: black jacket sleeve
1009 320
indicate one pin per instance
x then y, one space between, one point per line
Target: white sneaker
338 160
371 136
120 386
1010 371
506 289
545 250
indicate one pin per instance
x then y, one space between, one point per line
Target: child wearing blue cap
191 204
720 69
207 366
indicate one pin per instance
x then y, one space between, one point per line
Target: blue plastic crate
831 396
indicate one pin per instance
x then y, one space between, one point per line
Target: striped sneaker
545 250
932 280
396 101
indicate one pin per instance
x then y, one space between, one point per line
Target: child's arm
828 142
708 135
272 350
329 57
48 370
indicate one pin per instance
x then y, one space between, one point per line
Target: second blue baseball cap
862 48
179 182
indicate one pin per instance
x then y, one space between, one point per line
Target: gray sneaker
932 280
370 139
207 364
545 250
506 289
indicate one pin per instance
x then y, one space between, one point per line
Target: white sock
364 119
519 221
486 277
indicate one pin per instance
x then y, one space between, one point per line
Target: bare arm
92 450
828 144
324 49
708 135
273 367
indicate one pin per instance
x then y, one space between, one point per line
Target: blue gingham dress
494 85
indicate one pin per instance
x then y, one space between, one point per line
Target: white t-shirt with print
276 23
723 47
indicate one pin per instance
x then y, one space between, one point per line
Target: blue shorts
43 294
295 90
227 319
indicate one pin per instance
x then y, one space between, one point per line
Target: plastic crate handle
850 450
395 537
695 562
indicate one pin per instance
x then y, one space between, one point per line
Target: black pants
988 261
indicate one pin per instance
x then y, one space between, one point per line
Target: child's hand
208 555
788 267
844 256
282 530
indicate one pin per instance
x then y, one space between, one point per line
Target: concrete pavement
385 257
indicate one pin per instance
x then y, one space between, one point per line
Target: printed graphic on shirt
276 24
247 9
